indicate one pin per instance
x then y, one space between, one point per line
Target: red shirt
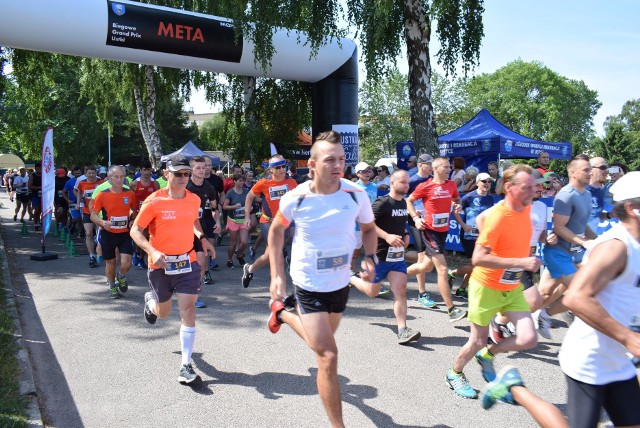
437 203
228 184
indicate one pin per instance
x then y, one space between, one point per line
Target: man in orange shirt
83 194
501 254
115 204
271 190
171 214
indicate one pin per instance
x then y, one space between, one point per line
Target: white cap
102 170
483 176
627 187
362 166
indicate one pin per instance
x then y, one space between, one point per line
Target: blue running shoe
252 254
460 385
142 264
200 304
486 365
499 389
426 301
135 259
99 259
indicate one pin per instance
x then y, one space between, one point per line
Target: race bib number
395 254
22 190
199 212
332 260
73 207
39 193
177 264
81 204
511 276
87 194
239 213
119 222
276 192
534 249
474 232
59 193
440 220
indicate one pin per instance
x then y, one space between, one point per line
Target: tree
384 114
621 142
535 101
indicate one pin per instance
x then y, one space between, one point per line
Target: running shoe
274 323
99 258
123 286
289 303
460 385
499 389
142 264
229 264
187 374
252 254
463 293
114 291
15 217
384 291
451 277
246 275
135 259
407 336
499 331
486 365
425 300
241 261
207 278
148 315
200 304
568 317
542 323
456 314
93 262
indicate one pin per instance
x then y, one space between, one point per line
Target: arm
606 261
206 245
95 218
275 244
156 257
560 228
462 224
413 214
499 186
370 242
482 257
392 240
247 207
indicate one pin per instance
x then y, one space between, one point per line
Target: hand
217 228
157 258
531 264
106 225
467 228
278 288
208 248
368 269
633 344
457 208
419 223
395 240
552 239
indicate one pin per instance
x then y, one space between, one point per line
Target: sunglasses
484 181
181 174
602 167
278 167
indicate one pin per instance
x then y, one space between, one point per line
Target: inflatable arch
155 35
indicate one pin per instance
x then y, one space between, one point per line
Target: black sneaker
187 374
207 278
246 276
230 264
93 262
148 315
114 291
241 261
123 286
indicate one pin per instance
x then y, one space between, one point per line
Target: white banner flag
48 181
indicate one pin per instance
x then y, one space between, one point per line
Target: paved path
97 363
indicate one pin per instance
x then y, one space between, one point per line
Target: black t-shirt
391 216
59 186
206 192
216 182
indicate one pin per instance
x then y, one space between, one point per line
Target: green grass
12 404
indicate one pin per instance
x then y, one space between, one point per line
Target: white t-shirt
324 237
539 220
586 354
20 184
460 174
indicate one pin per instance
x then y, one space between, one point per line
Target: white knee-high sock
187 337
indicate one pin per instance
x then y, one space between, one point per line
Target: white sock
187 337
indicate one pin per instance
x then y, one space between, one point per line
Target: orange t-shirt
85 189
272 191
508 234
116 208
170 222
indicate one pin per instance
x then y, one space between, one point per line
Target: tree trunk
154 146
250 115
417 34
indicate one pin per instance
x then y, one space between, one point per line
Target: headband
277 163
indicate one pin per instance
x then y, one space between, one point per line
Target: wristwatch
374 258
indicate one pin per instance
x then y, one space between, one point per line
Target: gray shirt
238 215
570 202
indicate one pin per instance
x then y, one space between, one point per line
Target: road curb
26 383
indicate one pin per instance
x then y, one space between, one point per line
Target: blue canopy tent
484 139
190 150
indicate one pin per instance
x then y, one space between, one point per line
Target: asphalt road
97 363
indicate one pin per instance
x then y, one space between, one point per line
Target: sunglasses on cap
602 167
181 174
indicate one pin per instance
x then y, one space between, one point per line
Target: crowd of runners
328 234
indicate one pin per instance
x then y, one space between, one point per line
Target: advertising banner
349 140
48 181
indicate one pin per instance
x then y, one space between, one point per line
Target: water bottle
635 326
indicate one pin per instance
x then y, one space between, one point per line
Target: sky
597 42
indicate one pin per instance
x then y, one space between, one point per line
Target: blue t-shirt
597 205
416 180
577 206
69 188
472 205
372 192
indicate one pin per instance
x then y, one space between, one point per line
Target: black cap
178 162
